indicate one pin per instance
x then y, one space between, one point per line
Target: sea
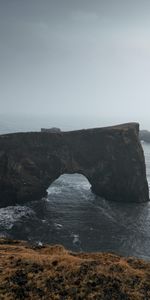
73 216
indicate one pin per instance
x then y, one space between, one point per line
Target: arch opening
69 185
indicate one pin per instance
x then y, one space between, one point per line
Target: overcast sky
79 58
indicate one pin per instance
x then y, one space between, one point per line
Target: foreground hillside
52 272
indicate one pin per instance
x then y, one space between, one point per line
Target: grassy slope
52 272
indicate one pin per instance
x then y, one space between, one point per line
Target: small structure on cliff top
51 130
111 158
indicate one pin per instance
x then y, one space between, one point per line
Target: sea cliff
111 158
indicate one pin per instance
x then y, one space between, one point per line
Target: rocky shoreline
52 272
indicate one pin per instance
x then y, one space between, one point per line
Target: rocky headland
52 272
111 158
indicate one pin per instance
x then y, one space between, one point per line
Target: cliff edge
52 272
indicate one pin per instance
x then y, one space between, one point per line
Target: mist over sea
17 123
28 122
73 216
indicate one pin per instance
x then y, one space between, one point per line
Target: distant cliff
111 158
144 136
52 272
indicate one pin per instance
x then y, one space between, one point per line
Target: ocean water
73 216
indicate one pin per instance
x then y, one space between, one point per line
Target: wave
11 214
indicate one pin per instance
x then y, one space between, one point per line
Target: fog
74 63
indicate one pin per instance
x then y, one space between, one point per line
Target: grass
53 273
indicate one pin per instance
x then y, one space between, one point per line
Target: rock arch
111 158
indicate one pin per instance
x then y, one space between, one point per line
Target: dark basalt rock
111 158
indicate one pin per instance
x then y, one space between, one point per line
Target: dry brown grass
52 272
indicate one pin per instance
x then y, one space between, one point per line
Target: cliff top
52 272
125 126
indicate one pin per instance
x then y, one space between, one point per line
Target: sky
76 59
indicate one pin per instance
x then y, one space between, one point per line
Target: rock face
111 158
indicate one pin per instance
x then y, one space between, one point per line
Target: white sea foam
11 214
58 226
75 238
54 190
66 182
44 221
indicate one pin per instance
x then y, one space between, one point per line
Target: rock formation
111 158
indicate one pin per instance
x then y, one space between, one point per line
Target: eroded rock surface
111 158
